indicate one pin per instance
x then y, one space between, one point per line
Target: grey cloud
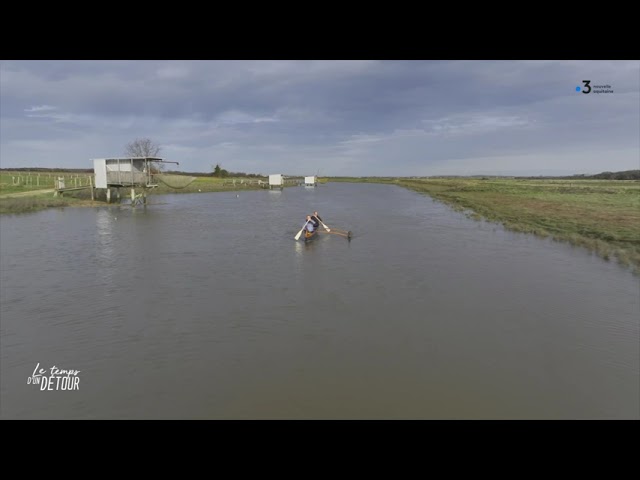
350 117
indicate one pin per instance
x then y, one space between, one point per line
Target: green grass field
600 215
211 184
23 192
17 182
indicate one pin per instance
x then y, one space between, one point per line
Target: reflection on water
204 306
105 248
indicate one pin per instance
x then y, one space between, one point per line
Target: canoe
307 237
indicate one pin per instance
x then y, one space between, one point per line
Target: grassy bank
35 202
23 192
600 215
19 182
28 197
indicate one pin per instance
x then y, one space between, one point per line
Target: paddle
301 230
326 228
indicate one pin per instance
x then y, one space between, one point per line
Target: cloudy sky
359 118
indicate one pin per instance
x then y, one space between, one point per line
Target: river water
203 306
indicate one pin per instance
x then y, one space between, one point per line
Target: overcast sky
397 118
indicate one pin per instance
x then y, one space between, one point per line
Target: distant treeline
626 175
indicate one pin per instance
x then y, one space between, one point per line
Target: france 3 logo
587 87
597 89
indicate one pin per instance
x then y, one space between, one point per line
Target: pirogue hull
309 237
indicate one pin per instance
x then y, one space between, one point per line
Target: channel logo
586 88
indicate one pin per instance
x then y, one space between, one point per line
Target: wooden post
93 195
108 195
133 197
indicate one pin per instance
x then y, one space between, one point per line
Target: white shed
132 172
275 180
310 181
122 172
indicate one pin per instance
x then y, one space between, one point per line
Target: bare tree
142 147
145 148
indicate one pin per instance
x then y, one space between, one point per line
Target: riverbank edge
626 257
11 204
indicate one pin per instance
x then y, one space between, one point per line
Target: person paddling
312 223
316 219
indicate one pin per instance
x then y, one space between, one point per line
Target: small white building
133 172
310 181
275 180
123 172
